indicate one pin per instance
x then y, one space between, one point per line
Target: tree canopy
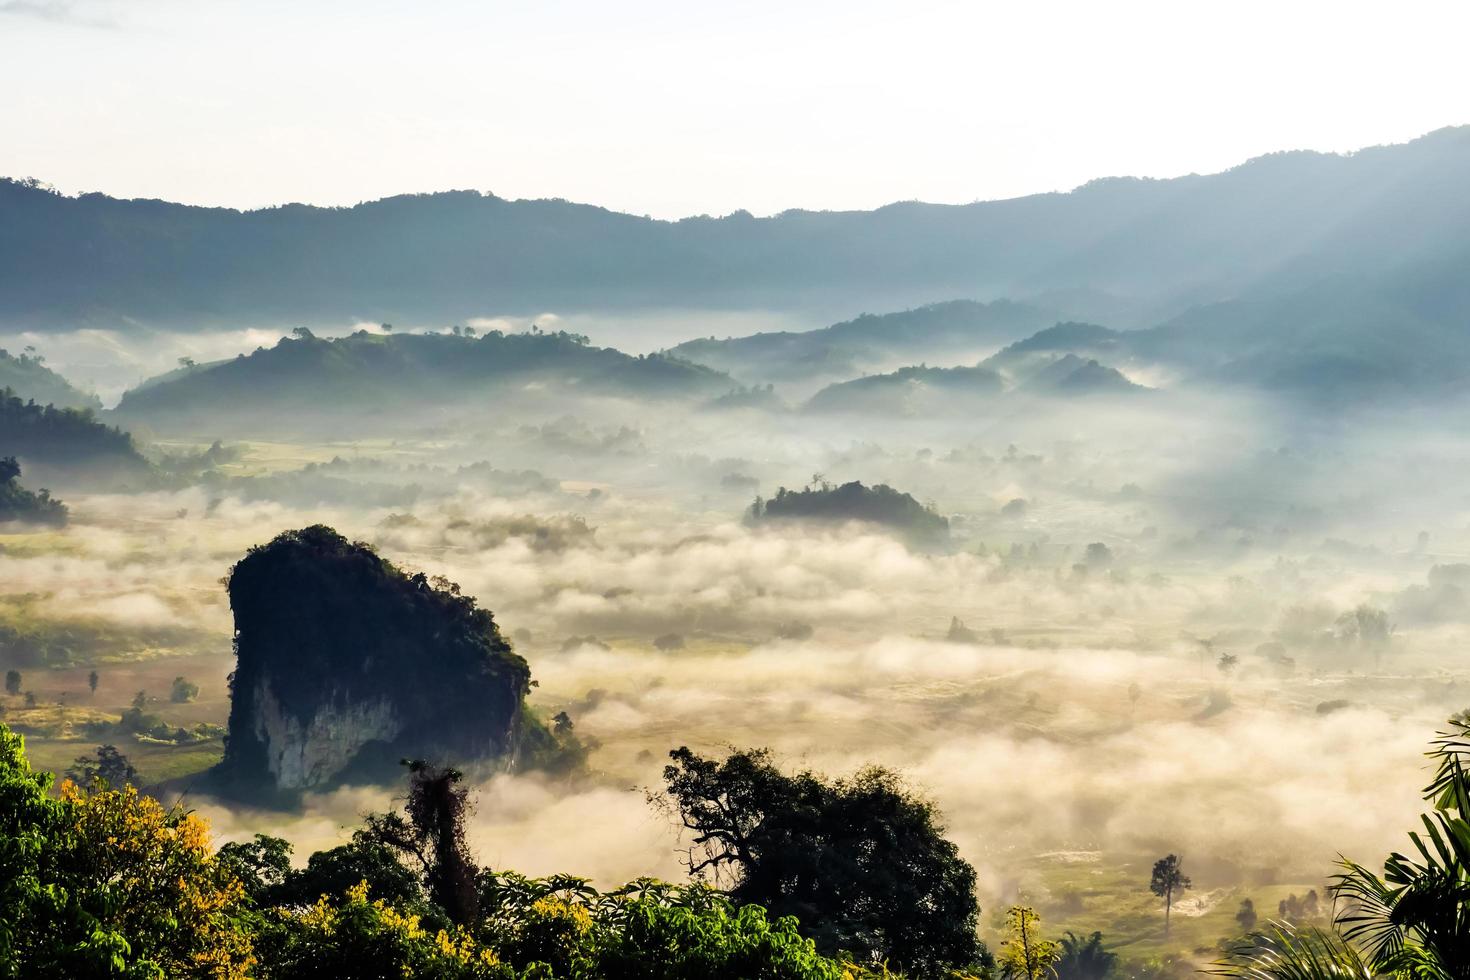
860 861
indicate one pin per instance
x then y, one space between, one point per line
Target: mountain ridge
1152 247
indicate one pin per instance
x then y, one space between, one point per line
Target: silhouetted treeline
66 437
880 504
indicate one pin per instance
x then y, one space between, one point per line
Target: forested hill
844 350
1112 249
384 377
70 442
29 377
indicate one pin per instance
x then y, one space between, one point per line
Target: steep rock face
345 665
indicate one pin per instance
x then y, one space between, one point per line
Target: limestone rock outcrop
345 665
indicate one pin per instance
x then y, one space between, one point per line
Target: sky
688 107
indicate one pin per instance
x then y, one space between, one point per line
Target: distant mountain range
1389 224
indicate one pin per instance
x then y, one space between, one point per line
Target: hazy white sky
674 108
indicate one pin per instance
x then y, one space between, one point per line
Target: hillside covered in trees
28 377
383 379
69 441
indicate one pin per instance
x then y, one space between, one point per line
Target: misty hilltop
1060 362
846 349
382 377
29 377
1129 251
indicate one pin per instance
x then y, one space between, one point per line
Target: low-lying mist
1197 625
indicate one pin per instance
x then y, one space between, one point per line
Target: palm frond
1450 789
1286 952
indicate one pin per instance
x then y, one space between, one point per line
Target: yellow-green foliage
112 884
357 936
1026 955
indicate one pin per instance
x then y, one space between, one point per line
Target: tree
861 861
107 767
183 691
110 883
12 682
1084 959
1168 880
561 724
1246 916
1365 627
333 871
92 679
432 835
1025 955
140 700
261 865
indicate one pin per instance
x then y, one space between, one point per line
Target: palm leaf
1287 952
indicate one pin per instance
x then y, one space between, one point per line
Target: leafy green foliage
1411 922
1084 958
644 929
1286 952
333 871
107 768
861 862
1026 955
110 883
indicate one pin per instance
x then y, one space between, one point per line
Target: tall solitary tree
1169 880
92 681
1026 956
12 682
433 836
